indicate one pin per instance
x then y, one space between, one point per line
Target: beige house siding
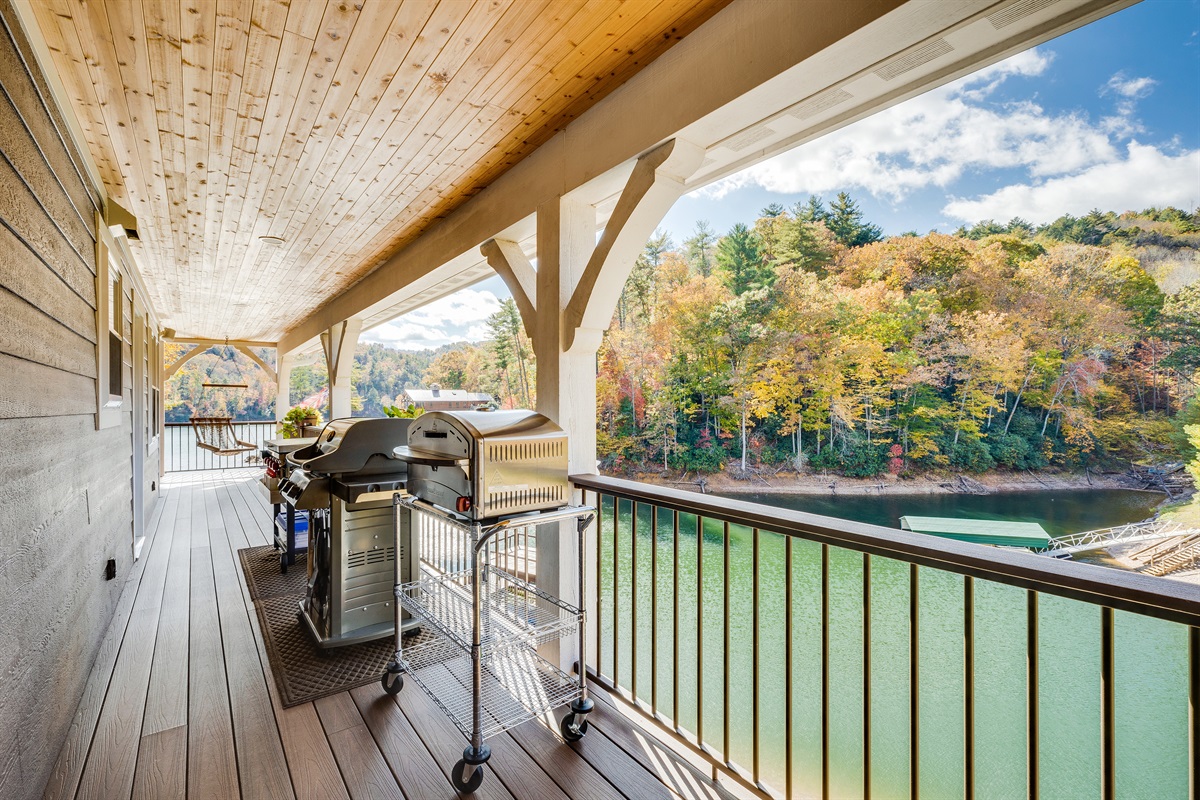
65 487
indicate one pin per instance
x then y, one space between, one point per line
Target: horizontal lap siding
64 486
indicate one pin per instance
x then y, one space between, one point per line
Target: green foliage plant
296 418
409 411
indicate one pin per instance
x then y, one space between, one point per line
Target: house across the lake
435 398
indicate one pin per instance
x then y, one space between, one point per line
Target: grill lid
441 438
359 445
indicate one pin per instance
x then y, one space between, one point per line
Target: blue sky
1106 116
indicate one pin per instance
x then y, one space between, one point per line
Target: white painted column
339 344
566 383
284 363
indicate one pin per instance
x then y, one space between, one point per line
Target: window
110 340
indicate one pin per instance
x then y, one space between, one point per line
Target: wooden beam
506 257
188 356
656 183
211 342
248 353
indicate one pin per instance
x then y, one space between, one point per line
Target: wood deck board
212 763
262 767
685 779
183 702
162 765
564 765
414 766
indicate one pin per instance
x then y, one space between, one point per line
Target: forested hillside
806 339
380 375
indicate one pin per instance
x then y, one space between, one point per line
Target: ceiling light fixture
274 241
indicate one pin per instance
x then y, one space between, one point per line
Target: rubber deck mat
303 672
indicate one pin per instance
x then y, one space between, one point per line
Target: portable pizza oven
487 464
346 480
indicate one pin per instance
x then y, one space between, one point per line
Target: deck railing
181 453
807 656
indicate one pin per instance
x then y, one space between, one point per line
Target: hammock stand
216 435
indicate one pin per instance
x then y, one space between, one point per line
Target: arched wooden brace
656 183
203 346
517 272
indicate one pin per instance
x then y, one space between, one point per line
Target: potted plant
297 418
408 412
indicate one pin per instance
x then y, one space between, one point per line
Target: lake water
1059 512
1151 656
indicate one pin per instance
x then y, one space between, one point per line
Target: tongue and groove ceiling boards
344 128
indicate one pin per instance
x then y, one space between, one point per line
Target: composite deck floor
181 701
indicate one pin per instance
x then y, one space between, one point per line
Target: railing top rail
235 422
1177 601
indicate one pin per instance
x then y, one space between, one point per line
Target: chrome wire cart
481 626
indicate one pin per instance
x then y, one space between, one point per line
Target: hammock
216 435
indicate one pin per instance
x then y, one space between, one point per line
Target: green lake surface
1150 656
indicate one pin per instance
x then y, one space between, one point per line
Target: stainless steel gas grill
346 480
481 475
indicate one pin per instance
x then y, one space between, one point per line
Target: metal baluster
675 669
700 632
633 611
787 665
914 668
616 676
757 666
866 590
1194 711
1108 788
969 685
825 671
1031 689
727 711
599 583
654 610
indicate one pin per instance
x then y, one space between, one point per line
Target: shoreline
818 484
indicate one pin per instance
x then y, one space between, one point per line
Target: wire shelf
514 612
518 684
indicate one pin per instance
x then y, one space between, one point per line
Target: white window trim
108 406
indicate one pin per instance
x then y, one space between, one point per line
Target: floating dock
980 531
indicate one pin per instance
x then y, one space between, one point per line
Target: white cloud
1029 63
1133 88
460 317
1146 177
936 139
1128 91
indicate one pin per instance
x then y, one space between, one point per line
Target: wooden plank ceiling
344 128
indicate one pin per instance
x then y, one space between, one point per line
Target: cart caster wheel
470 784
570 731
392 680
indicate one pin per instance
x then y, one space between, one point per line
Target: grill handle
410 456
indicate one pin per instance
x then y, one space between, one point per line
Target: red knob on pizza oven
463 505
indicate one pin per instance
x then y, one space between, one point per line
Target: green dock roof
980 531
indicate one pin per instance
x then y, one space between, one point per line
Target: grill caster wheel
472 783
392 680
571 731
